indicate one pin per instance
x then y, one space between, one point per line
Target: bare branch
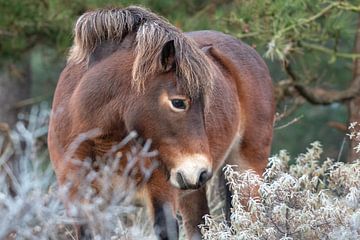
349 7
30 101
284 88
289 123
330 51
337 125
288 111
290 72
320 96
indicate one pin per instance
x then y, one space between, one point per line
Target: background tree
310 44
25 25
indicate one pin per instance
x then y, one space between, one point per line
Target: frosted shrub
310 199
354 135
31 207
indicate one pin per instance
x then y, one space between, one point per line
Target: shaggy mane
152 32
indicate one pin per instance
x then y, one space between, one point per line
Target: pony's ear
168 56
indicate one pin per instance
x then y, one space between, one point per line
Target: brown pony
204 98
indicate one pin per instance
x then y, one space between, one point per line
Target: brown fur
213 70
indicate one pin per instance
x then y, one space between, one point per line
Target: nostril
204 176
181 180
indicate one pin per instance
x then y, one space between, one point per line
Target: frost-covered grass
311 199
314 198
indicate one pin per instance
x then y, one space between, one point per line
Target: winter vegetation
309 198
31 203
293 205
313 198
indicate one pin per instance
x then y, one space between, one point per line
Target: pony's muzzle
191 174
184 183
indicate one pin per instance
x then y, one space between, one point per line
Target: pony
204 98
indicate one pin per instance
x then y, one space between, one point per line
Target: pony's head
174 118
171 84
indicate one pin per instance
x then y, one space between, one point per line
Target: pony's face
176 124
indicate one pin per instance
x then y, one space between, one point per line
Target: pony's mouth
184 184
185 177
191 174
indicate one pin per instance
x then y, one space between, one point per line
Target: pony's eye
179 104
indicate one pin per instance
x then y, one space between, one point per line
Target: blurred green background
38 34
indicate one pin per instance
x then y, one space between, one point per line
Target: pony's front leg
165 223
161 202
193 206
